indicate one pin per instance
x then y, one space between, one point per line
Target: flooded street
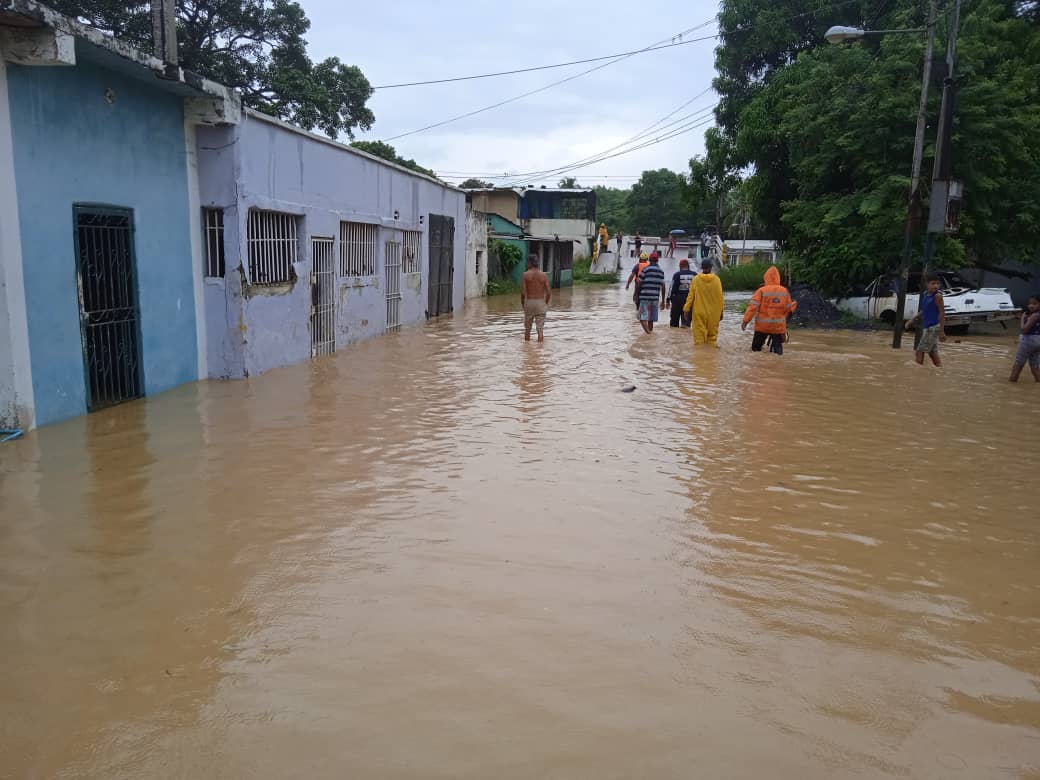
447 553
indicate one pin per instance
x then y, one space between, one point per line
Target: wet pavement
447 553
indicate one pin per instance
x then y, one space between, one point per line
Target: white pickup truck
964 304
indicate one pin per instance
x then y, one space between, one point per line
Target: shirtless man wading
535 295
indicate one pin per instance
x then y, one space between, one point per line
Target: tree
569 183
711 178
387 152
254 46
476 184
842 120
612 209
656 204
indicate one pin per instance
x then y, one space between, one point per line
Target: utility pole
943 146
914 209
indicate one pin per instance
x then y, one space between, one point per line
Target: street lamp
840 34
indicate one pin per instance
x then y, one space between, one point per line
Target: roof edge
254 114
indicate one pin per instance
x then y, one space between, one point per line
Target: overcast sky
412 40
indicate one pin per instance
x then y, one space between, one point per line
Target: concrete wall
71 146
581 229
505 203
476 265
264 164
16 396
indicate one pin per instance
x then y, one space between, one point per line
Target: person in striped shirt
651 289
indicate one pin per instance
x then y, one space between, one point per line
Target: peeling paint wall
263 164
476 242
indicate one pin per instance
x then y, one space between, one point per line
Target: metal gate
442 266
323 297
109 318
393 285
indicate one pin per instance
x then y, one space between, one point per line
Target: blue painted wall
71 146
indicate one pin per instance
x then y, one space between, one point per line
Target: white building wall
579 230
16 389
476 253
266 164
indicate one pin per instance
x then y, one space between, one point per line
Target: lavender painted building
311 245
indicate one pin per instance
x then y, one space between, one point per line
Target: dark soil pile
814 310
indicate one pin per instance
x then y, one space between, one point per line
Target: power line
542 67
542 88
641 134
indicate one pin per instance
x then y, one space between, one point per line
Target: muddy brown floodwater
446 553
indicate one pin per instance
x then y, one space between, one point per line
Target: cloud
409 40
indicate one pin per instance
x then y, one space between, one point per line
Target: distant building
741 251
476 253
565 215
100 235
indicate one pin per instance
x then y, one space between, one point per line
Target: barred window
357 249
412 252
213 222
273 246
574 208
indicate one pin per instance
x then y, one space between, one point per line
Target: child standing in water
1029 341
932 318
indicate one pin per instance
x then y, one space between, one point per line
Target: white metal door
393 285
323 297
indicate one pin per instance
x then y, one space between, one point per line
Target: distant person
770 307
651 288
932 319
672 245
705 239
535 294
637 270
1029 341
618 238
638 241
705 301
677 293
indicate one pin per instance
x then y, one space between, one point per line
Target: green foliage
254 46
509 256
476 184
743 277
710 179
387 152
829 131
612 209
503 287
582 275
656 204
569 183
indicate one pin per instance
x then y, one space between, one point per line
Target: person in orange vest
637 270
770 307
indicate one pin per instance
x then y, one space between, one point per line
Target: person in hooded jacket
770 307
705 301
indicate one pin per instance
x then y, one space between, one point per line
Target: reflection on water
450 553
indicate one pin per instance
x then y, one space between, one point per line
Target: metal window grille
412 252
393 285
213 220
480 256
357 249
108 305
323 297
273 246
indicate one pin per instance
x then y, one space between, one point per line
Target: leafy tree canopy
612 209
830 134
387 152
569 183
476 184
656 203
254 46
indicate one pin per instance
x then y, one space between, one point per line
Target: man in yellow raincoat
705 301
